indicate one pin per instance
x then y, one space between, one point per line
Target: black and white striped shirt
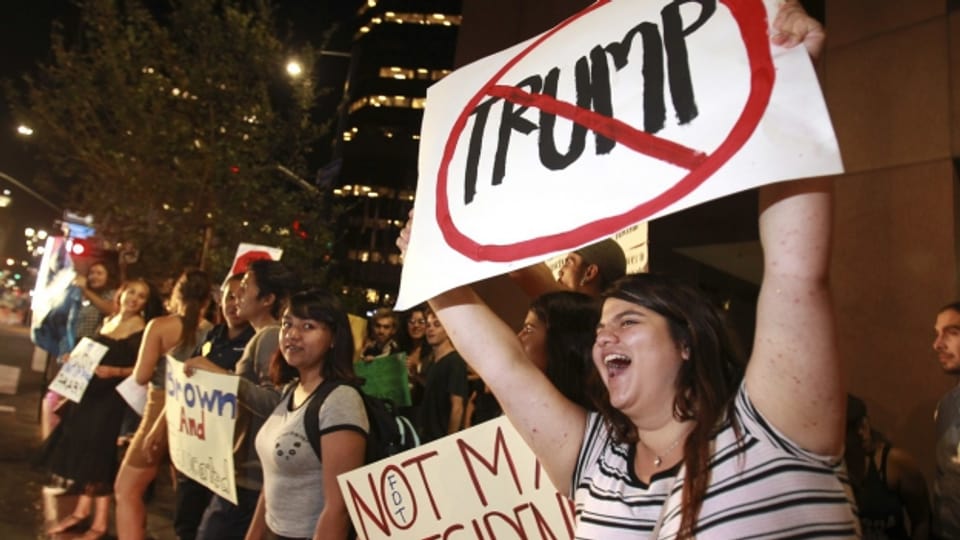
765 488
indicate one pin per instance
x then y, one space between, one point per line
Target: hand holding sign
74 377
793 26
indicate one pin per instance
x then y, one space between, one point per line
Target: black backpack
390 432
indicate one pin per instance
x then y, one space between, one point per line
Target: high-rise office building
399 49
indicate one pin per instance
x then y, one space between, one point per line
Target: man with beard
446 389
946 486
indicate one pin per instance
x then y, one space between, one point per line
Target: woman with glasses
412 340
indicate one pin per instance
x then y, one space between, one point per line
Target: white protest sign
622 113
247 253
201 413
74 376
133 393
481 479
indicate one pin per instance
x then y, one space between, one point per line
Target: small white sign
133 393
74 376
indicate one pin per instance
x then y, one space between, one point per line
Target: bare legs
99 506
129 489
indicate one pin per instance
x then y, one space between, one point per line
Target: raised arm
535 280
551 424
106 306
794 372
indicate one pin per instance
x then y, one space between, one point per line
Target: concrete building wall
890 77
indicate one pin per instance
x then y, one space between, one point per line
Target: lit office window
392 17
403 73
402 102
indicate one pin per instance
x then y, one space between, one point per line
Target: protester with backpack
300 497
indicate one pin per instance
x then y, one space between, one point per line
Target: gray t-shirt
258 396
292 474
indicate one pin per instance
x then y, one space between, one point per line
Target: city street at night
26 508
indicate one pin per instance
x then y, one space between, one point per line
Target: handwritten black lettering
664 56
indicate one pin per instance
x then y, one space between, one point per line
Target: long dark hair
706 384
406 343
154 306
571 320
190 296
321 306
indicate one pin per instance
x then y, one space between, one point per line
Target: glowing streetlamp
294 69
24 130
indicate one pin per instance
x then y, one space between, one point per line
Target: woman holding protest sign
175 334
95 295
685 443
301 498
81 452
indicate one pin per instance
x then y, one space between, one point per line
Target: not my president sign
483 482
201 412
623 113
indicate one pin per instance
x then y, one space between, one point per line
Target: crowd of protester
628 388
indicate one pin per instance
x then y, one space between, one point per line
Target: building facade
399 49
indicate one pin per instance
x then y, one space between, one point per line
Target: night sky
24 42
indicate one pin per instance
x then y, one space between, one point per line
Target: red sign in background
750 16
243 261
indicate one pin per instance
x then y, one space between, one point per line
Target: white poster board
133 393
623 113
247 253
74 376
201 412
481 479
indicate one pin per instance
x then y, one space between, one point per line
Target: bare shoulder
899 460
165 326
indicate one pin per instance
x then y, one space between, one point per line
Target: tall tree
180 132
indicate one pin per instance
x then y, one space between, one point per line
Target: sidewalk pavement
26 509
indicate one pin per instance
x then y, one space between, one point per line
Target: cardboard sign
386 377
622 113
247 253
483 482
201 412
133 393
74 376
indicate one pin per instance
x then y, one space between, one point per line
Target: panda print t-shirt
292 473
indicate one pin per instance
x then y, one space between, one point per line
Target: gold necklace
657 459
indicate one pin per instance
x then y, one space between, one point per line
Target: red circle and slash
242 263
750 16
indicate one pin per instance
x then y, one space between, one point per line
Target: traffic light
84 249
79 247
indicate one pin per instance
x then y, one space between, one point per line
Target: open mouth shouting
616 363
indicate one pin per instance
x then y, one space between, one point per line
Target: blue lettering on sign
190 394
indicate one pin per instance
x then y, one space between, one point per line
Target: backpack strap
311 425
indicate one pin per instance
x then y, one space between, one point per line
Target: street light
294 69
24 130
